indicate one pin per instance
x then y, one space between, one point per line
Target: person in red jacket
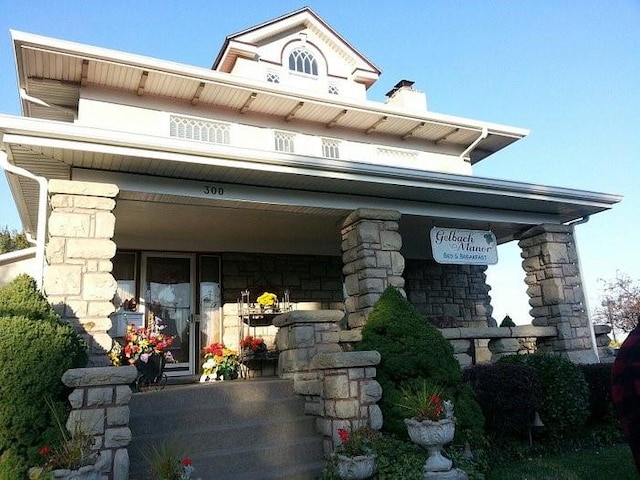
625 390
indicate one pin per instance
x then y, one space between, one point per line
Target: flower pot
356 468
432 436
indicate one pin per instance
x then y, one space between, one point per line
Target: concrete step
237 430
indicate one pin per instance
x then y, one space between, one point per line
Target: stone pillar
350 394
100 407
371 260
555 290
301 335
77 279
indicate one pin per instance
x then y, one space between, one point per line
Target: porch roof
279 181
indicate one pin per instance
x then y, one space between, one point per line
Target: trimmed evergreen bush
598 377
412 351
509 395
565 394
36 348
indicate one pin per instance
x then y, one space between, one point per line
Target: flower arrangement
267 299
425 402
221 361
143 342
254 344
356 443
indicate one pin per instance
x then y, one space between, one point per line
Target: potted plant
147 347
73 459
167 462
253 347
431 423
355 457
221 363
268 302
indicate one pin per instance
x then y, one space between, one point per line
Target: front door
167 288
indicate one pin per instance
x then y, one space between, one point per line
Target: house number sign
213 190
464 247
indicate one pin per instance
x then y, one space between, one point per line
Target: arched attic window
302 60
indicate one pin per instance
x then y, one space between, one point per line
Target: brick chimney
405 96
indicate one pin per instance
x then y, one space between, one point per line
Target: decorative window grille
302 60
273 77
330 148
284 141
200 130
333 89
393 154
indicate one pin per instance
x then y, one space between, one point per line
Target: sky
568 70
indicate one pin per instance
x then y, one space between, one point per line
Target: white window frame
304 58
199 129
284 141
331 148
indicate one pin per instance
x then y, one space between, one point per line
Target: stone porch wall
449 292
77 278
309 278
339 387
314 283
100 407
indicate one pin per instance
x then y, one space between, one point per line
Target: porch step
243 429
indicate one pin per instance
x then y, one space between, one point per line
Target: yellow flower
267 299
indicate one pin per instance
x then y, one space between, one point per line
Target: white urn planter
360 467
432 436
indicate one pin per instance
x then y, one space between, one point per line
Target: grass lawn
607 463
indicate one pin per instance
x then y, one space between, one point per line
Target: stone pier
555 290
77 279
371 260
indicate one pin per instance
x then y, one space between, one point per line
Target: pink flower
343 434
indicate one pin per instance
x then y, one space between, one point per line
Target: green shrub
21 298
507 322
598 377
412 351
509 395
565 394
397 459
36 348
603 424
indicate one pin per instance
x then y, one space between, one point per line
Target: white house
182 187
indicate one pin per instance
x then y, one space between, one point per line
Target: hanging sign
464 247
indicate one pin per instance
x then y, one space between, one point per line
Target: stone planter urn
432 436
356 468
88 472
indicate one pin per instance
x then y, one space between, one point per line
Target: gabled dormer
298 51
